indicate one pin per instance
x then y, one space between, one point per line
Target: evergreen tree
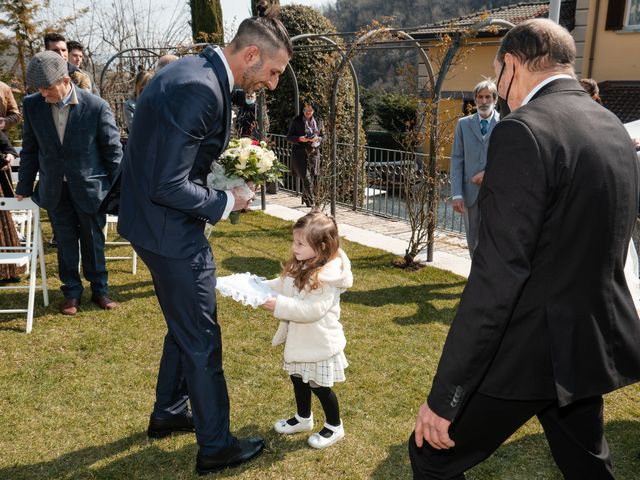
206 21
21 20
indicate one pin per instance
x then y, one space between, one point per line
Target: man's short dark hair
264 32
75 45
53 37
540 44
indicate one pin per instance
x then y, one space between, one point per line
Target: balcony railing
385 170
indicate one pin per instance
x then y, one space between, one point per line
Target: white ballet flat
303 425
318 441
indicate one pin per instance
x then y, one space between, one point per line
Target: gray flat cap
46 69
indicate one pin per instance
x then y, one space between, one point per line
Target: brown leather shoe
104 302
70 306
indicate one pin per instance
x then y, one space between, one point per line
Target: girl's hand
270 304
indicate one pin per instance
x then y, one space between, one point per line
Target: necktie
484 126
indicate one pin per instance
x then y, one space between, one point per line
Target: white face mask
250 101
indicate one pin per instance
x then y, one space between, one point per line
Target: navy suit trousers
191 363
72 225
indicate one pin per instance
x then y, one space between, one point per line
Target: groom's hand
243 196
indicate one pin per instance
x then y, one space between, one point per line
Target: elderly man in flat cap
71 140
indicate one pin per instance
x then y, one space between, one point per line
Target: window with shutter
615 14
633 13
623 14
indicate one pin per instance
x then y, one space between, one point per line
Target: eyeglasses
307 111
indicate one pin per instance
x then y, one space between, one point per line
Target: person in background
469 158
9 112
591 87
8 233
76 53
305 133
139 82
56 42
165 60
246 124
69 139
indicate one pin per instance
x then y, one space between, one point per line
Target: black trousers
575 434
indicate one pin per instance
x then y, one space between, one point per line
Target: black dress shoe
244 450
162 427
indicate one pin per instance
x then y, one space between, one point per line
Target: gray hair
541 45
488 85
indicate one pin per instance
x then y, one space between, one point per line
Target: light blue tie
484 126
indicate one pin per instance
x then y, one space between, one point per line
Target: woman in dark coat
8 234
305 133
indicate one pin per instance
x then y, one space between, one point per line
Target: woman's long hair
321 233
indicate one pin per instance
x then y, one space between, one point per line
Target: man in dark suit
546 324
70 139
181 126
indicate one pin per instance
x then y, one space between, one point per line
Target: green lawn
75 395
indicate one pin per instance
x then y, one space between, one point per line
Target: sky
234 11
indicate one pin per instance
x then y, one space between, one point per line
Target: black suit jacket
180 127
546 312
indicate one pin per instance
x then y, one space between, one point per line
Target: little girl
308 306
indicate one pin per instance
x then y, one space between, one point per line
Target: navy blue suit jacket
180 127
88 157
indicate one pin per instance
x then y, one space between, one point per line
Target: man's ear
251 55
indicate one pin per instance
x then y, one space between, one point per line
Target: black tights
327 398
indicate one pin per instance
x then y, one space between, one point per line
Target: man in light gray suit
469 157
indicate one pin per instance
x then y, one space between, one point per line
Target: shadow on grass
263 267
149 460
17 299
422 295
77 463
130 291
528 454
371 262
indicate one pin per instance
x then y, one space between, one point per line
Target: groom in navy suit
181 126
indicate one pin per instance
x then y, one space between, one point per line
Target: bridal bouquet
245 160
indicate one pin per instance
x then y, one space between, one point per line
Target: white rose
245 142
265 163
241 162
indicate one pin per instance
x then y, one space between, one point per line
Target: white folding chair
27 254
20 217
113 220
